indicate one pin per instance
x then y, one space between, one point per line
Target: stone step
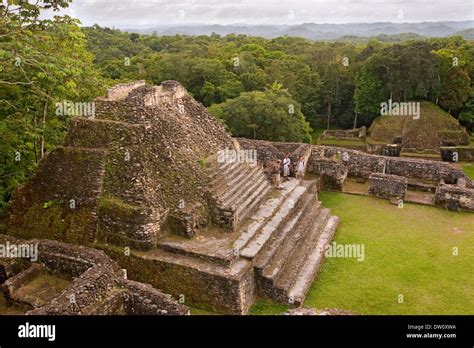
221 174
246 209
241 192
231 215
218 257
251 249
226 183
214 166
264 213
237 186
291 268
251 199
313 262
270 262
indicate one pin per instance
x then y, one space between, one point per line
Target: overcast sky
147 13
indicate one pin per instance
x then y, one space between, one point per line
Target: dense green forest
330 82
275 89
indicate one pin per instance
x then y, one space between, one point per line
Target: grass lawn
468 168
408 252
341 142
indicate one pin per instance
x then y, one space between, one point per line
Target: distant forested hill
314 31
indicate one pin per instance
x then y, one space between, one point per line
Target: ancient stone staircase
278 248
286 242
237 188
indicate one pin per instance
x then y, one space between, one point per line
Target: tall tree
268 115
42 62
367 98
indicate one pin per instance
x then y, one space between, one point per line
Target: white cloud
142 13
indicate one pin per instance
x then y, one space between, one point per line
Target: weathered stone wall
449 153
168 92
423 169
122 90
99 133
200 284
361 164
333 172
11 285
69 259
345 134
387 186
10 267
84 294
392 150
143 299
388 175
466 153
455 197
269 151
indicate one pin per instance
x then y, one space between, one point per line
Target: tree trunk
329 114
45 112
355 120
34 139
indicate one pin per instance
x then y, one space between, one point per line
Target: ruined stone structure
127 176
79 280
144 182
416 180
434 135
455 197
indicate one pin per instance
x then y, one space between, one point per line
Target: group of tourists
300 168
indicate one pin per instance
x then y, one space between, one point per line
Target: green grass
341 142
468 168
199 311
408 251
266 307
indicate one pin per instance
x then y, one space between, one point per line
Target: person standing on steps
286 166
276 173
300 168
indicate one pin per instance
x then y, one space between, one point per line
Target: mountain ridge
316 31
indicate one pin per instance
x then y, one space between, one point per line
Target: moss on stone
118 206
